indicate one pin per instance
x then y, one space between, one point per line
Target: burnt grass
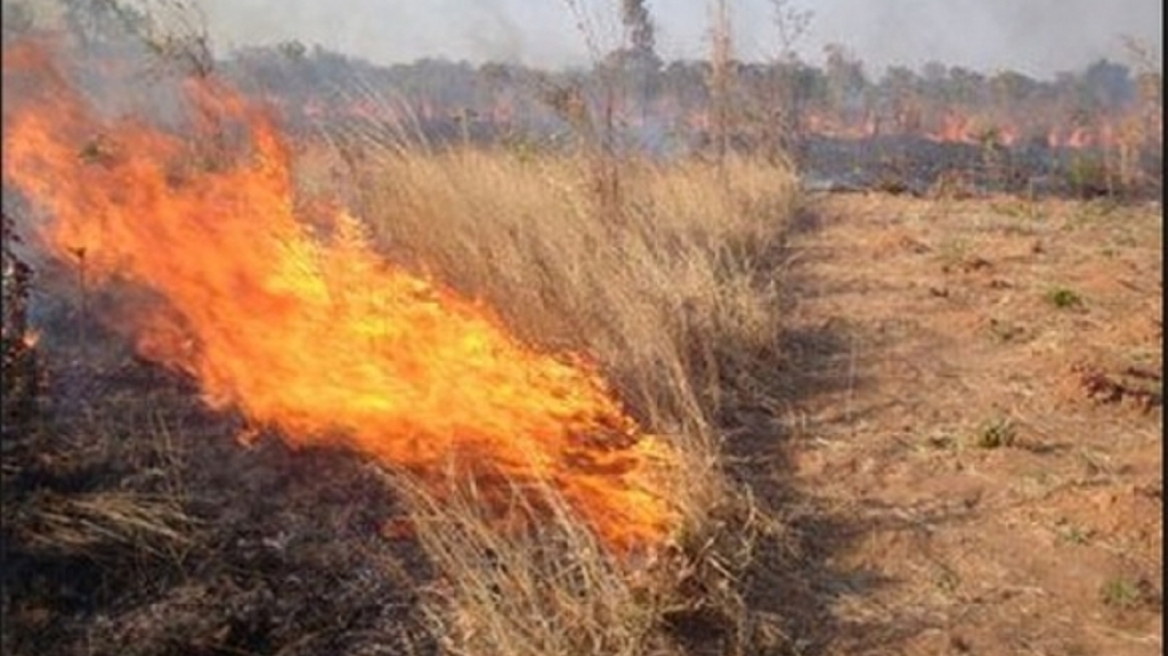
278 550
903 164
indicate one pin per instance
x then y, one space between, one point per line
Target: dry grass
104 486
555 590
674 294
551 591
674 297
69 524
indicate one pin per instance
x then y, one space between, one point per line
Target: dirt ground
969 453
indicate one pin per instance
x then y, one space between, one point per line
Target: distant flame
317 336
30 339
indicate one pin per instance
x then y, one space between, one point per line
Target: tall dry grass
674 293
672 296
669 285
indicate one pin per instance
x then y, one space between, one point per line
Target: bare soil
969 455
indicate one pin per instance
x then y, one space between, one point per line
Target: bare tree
783 133
639 25
174 31
721 59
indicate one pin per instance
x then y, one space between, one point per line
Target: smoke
498 38
1036 37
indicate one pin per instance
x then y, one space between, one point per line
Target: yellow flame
320 337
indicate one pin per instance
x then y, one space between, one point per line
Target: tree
846 81
845 74
171 30
783 120
965 87
1108 85
720 82
638 26
900 88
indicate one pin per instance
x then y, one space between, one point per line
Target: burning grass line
263 300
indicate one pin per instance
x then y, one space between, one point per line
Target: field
971 437
295 396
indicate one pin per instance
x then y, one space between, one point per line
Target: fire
310 331
30 339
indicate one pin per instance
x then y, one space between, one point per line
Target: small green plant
996 433
1063 298
1075 534
947 579
1122 593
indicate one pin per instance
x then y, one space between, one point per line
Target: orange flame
320 337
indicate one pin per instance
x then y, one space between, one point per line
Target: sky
1035 37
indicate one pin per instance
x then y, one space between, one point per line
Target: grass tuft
997 433
1063 298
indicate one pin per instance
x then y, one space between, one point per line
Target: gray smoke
1036 37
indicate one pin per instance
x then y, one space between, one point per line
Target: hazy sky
1037 37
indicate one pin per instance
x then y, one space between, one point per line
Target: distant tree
1012 89
846 80
1107 84
787 95
933 72
965 87
639 27
292 50
900 88
686 82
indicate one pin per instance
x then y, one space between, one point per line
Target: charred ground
136 523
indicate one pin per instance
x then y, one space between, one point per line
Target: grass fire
744 355
315 333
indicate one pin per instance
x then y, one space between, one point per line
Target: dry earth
970 451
